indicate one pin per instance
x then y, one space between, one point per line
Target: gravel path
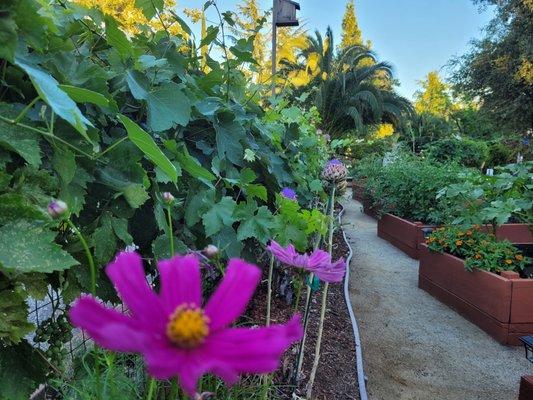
414 347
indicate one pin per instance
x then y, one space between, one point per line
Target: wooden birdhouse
285 12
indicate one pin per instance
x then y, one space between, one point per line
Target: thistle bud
211 251
168 197
57 208
334 171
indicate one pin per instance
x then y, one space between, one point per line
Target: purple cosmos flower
288 193
178 335
318 262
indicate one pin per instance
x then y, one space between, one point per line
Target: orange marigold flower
458 242
468 233
508 261
519 257
478 256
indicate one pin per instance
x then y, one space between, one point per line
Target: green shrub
408 187
467 152
499 154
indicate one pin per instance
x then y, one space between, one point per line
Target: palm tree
348 93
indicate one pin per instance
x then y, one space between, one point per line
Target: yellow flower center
188 326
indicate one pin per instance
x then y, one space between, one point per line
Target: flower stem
151 389
170 232
307 308
269 290
324 298
88 255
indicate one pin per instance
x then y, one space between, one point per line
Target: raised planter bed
515 233
369 209
500 305
526 388
403 234
358 190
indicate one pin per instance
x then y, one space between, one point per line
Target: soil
336 376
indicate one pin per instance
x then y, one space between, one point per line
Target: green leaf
168 105
150 7
138 84
229 133
14 323
21 371
103 239
120 227
29 247
193 167
211 34
116 38
81 95
316 186
254 191
14 206
64 163
21 141
161 247
49 91
226 240
220 215
258 226
8 37
135 194
150 149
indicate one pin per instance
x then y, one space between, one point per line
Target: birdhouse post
283 14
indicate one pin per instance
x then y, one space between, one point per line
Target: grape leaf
257 225
168 105
14 323
220 215
29 247
21 371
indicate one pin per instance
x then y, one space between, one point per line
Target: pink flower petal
284 255
331 272
127 274
319 257
256 351
233 294
165 361
180 282
109 328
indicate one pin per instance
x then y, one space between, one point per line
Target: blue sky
416 36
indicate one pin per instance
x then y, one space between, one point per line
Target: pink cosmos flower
178 335
318 262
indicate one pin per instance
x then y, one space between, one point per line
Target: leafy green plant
479 249
408 187
107 122
495 200
467 152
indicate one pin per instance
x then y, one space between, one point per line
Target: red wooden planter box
370 209
358 190
500 305
526 388
403 234
515 233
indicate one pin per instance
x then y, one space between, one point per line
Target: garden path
414 347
